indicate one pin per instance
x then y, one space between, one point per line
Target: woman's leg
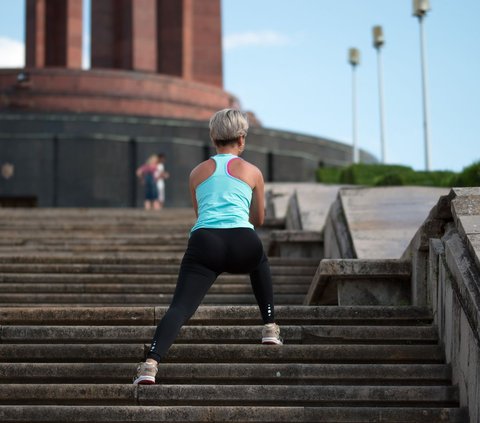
194 281
261 280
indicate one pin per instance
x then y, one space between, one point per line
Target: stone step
240 414
77 225
151 258
126 232
88 248
133 279
260 395
114 288
130 268
103 242
128 298
311 334
217 315
227 353
240 373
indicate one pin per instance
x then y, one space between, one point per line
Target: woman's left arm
193 195
257 206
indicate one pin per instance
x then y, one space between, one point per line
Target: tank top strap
221 161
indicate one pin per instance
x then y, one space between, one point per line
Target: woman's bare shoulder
204 166
250 166
202 172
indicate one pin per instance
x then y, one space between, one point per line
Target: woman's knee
179 313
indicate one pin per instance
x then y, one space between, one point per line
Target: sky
287 62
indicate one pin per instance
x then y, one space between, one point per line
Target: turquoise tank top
223 200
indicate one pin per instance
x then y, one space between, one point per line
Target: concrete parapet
360 282
446 275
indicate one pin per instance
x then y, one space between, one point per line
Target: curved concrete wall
80 160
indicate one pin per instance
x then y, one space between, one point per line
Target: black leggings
209 253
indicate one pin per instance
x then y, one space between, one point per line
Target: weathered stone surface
265 414
68 394
296 243
291 395
216 334
240 373
211 353
74 363
312 200
382 221
378 291
69 315
338 241
360 282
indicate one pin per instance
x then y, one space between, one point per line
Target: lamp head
378 39
421 7
354 56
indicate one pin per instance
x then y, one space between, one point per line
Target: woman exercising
228 199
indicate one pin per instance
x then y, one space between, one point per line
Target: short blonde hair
227 125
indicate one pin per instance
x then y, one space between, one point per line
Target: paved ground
382 221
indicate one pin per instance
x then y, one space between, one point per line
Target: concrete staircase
82 291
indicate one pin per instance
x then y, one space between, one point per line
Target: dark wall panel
95 156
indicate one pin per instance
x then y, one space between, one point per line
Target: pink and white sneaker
271 334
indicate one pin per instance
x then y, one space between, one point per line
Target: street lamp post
420 9
354 60
378 42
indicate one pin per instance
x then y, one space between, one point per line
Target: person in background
147 173
161 175
228 199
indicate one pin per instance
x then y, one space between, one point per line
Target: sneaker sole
144 380
271 341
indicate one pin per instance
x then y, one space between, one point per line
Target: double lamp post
420 9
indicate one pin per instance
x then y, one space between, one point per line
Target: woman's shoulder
202 169
248 166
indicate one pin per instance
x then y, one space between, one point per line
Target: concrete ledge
293 334
226 394
218 414
296 243
210 315
360 282
240 373
224 353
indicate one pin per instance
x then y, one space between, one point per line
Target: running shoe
146 373
271 334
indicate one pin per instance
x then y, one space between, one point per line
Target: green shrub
329 175
390 175
469 176
369 174
440 178
390 179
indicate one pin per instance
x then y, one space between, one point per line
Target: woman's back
223 193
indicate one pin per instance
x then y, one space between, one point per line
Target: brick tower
54 33
160 58
171 37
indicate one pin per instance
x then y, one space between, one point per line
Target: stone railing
445 257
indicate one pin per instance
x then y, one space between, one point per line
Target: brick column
170 37
189 40
35 34
54 33
144 35
124 34
206 40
